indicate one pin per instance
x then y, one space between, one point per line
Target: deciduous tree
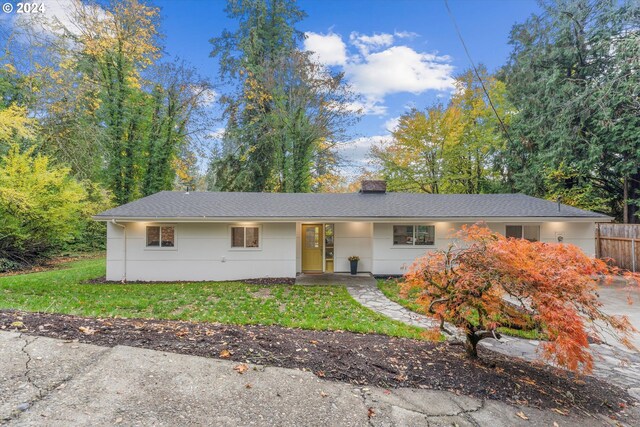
474 283
41 207
284 111
455 148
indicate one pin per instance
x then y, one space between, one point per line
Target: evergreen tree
285 111
573 78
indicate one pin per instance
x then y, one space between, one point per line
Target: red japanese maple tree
484 281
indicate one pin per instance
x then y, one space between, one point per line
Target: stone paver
616 365
370 296
613 363
86 385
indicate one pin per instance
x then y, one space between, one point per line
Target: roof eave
603 218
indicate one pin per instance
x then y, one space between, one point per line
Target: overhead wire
475 70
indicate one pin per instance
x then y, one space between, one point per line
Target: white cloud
366 44
392 124
377 67
367 107
400 69
60 14
206 96
356 151
329 49
405 34
217 134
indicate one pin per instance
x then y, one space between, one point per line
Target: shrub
41 207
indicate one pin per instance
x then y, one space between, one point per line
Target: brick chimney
373 187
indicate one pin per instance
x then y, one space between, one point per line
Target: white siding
353 238
203 252
393 260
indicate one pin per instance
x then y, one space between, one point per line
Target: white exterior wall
393 260
202 252
353 238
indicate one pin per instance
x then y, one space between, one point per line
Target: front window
245 237
414 235
161 236
528 232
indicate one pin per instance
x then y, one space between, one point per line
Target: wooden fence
620 242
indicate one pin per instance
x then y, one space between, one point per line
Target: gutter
530 219
124 228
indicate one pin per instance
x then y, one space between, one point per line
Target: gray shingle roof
214 205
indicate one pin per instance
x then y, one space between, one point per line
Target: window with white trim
161 236
528 232
414 235
245 237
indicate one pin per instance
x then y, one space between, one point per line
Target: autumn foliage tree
478 280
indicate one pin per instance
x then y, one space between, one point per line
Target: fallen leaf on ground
225 354
371 413
182 332
560 411
248 385
241 368
323 394
522 415
17 325
87 330
320 374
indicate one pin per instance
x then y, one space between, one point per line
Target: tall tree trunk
631 198
625 201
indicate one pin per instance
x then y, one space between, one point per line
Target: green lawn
63 291
391 289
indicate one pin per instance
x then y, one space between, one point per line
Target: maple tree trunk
474 337
471 345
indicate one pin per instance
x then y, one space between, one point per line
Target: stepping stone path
617 365
370 296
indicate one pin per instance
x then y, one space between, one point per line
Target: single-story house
197 236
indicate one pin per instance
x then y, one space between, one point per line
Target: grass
64 290
391 289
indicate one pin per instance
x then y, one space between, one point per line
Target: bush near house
42 208
467 285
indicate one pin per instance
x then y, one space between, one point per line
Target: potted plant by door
353 259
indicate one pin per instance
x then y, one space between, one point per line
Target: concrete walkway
48 382
614 364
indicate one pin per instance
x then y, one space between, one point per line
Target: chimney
373 187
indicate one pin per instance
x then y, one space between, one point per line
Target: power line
475 70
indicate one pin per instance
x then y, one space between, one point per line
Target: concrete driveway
49 382
615 300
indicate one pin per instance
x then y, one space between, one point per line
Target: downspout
124 228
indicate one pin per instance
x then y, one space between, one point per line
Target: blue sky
396 53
